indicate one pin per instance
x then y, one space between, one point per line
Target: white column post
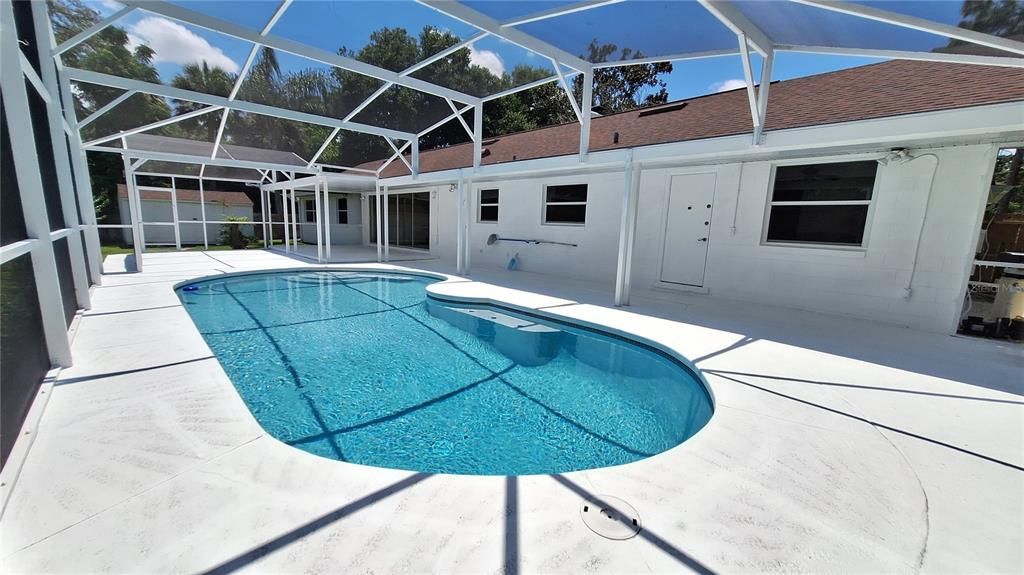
284 215
135 211
460 228
415 157
378 216
319 222
387 232
585 110
467 220
174 213
202 208
478 134
627 231
295 217
263 216
762 95
329 213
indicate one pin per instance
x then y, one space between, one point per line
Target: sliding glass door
408 220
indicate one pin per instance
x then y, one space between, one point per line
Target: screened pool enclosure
61 100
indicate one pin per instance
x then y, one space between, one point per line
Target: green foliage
231 234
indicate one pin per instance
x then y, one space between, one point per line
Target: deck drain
610 517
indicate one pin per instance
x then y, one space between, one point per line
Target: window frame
309 207
544 206
769 203
480 205
338 211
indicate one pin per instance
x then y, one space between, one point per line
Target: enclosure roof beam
109 106
176 12
568 91
526 86
444 53
457 115
91 31
727 13
323 147
212 100
667 58
915 23
189 159
153 125
399 153
479 20
557 11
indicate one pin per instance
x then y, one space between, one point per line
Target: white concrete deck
836 446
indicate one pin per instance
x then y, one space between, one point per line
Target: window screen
821 203
565 204
488 206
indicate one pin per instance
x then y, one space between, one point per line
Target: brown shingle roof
211 196
890 88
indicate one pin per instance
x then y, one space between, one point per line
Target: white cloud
172 42
727 85
487 59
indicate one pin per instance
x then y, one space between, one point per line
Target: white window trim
862 247
544 206
347 210
308 207
480 205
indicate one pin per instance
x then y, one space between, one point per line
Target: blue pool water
365 368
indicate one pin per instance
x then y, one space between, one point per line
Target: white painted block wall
191 234
866 283
341 234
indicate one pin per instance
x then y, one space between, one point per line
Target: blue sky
330 24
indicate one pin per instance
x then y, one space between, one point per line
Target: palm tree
201 78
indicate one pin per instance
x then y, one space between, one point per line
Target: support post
202 214
627 231
387 226
478 134
585 110
319 223
135 210
328 214
467 221
174 214
415 157
460 228
762 96
287 226
378 215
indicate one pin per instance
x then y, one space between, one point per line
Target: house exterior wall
191 234
868 283
341 234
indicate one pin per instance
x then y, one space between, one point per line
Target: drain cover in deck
610 517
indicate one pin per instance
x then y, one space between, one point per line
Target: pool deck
837 445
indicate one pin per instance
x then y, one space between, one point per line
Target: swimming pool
364 367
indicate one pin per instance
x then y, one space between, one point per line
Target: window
565 204
488 206
342 210
310 211
823 204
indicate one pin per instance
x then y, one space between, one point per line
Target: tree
200 78
623 88
1003 18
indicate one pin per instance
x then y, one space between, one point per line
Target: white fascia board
200 98
465 14
668 58
292 47
944 127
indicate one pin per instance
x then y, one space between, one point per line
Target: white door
687 229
